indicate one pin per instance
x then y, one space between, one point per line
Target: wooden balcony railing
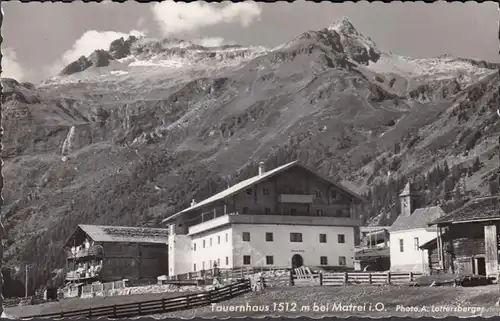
81 275
92 251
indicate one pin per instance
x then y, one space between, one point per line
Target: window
342 260
218 262
245 210
194 246
269 237
210 241
295 237
267 210
227 260
194 267
246 259
334 194
269 260
401 245
341 238
227 237
265 191
319 212
246 236
203 243
249 191
416 244
323 260
318 193
322 238
293 211
203 265
218 239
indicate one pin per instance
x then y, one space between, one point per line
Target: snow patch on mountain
438 68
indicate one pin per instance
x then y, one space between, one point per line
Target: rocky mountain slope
130 135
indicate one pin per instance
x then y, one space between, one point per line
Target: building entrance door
297 261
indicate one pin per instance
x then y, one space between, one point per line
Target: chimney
261 168
193 203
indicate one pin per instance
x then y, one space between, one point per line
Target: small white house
287 217
410 231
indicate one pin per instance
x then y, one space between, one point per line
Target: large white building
410 231
287 217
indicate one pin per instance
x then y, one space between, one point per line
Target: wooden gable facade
467 240
111 253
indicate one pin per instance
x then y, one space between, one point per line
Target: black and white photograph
248 159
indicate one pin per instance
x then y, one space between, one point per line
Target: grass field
77 304
297 300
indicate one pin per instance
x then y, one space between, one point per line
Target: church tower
409 200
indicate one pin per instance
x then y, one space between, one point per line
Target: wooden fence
225 273
344 278
158 306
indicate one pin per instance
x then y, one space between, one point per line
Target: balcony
81 253
296 198
273 219
80 275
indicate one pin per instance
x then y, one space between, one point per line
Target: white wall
411 259
282 249
179 248
214 252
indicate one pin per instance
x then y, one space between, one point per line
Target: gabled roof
255 180
103 233
479 209
420 218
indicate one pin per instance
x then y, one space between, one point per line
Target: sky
51 35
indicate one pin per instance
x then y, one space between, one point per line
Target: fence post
388 277
163 304
112 285
187 301
370 277
291 279
139 307
114 311
411 276
346 278
90 312
321 278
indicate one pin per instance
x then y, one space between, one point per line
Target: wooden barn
111 253
467 240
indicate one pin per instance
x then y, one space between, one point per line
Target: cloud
91 40
178 17
10 66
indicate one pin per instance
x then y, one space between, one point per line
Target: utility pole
26 272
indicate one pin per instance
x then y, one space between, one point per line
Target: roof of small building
479 209
420 218
254 180
373 252
103 233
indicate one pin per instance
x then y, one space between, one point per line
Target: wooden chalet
111 253
467 239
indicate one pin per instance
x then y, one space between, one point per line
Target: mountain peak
343 26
